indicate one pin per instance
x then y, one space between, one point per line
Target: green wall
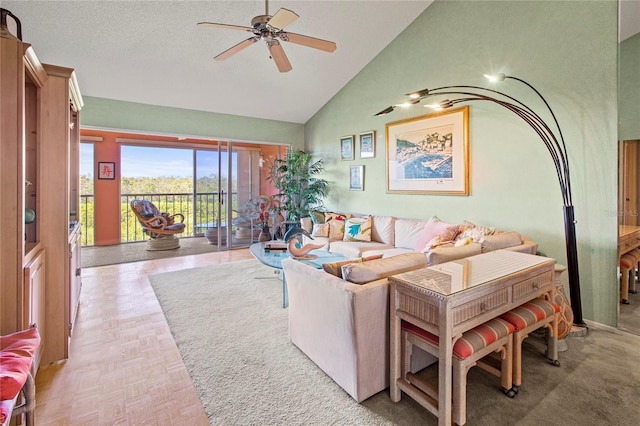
630 89
120 115
568 51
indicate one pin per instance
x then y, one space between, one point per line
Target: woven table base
164 243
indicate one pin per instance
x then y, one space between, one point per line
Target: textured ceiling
153 52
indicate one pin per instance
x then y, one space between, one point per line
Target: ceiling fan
271 29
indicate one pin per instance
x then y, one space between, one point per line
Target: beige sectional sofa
342 324
391 236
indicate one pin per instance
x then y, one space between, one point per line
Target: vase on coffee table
265 234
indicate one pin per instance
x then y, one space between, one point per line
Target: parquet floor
124 367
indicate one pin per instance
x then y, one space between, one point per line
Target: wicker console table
453 297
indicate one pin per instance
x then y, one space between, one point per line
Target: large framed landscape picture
429 154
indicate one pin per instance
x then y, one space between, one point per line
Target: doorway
629 222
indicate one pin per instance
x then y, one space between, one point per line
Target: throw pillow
357 229
329 216
336 229
320 230
16 350
335 268
476 232
316 216
446 232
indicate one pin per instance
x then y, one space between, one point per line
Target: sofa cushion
448 253
335 268
382 229
442 230
361 273
407 232
500 240
357 229
353 249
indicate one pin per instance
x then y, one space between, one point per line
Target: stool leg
624 286
459 393
517 360
634 279
552 341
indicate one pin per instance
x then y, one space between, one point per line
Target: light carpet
231 330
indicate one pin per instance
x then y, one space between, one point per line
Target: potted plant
299 187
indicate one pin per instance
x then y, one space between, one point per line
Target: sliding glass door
226 179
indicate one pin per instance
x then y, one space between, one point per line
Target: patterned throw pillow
329 216
335 268
336 229
476 232
320 230
357 229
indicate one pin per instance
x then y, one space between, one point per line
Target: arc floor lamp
552 138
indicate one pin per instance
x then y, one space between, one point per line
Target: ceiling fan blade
316 43
235 49
279 57
227 26
282 18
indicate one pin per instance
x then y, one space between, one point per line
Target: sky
138 161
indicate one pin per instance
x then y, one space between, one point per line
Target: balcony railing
199 210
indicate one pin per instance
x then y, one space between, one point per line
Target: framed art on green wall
346 147
368 144
356 178
429 154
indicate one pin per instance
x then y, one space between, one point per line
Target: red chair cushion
530 313
16 352
471 341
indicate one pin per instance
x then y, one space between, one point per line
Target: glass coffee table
274 260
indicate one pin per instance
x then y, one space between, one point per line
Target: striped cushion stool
473 348
527 318
628 263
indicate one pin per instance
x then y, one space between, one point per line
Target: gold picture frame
429 154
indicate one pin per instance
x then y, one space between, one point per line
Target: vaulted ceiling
153 52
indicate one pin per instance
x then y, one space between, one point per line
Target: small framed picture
368 144
347 147
106 170
356 178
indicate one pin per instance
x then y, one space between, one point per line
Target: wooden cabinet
34 298
59 200
21 80
75 269
39 167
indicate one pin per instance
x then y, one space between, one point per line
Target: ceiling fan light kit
270 29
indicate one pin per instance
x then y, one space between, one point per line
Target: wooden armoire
39 168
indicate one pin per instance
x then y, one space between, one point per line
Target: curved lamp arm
555 146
